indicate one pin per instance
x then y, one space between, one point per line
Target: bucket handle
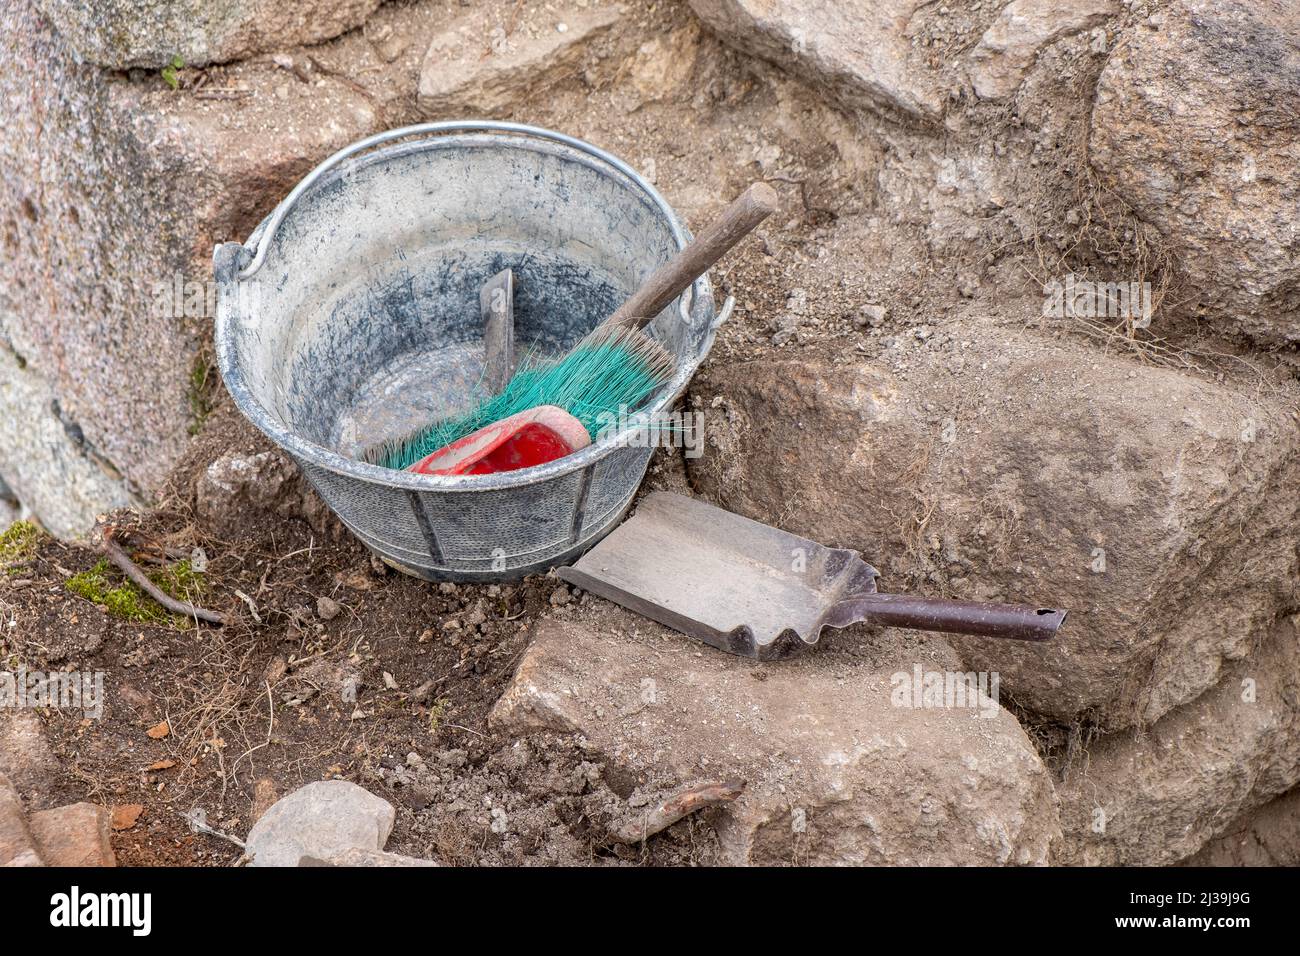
256 257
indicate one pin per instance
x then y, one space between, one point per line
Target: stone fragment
126 816
662 65
470 65
17 846
320 820
234 487
264 797
1010 46
861 50
75 835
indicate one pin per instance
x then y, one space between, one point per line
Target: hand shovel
756 591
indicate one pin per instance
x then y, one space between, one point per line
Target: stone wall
113 191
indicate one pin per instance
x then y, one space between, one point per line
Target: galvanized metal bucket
351 315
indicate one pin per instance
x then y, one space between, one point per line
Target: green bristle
601 376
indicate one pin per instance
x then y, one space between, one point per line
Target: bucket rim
233 260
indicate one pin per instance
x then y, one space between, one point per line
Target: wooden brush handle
672 279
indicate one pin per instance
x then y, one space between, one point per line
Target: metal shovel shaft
1019 622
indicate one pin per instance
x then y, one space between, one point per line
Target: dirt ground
390 688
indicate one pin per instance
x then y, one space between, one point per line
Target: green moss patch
105 585
18 545
200 393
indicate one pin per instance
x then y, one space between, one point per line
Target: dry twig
640 826
141 580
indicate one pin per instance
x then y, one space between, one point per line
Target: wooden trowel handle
1019 622
672 279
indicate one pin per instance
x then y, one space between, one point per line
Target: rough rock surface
234 484
1196 126
861 50
320 820
31 426
662 65
112 195
148 33
75 835
239 487
367 858
1010 46
1267 836
1104 487
475 64
25 755
17 847
834 772
1158 797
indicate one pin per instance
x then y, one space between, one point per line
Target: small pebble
500 822
871 314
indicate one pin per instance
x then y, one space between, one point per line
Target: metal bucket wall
352 316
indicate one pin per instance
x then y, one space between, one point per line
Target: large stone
25 755
860 50
1266 836
474 63
1009 47
1158 797
75 835
998 466
112 194
39 444
1197 127
148 33
834 772
234 487
320 820
17 847
663 65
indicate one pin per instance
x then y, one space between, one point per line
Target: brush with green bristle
615 367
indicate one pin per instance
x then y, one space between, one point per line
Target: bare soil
257 708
